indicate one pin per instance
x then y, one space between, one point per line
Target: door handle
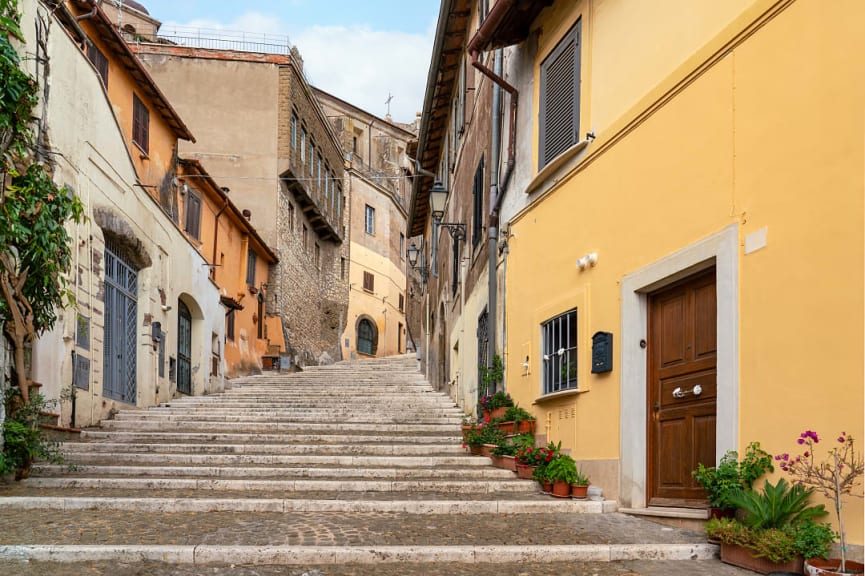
679 393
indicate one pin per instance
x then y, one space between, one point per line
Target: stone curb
420 507
86 457
454 487
296 555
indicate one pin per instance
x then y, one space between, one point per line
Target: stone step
282 472
194 502
289 416
171 459
300 430
323 410
164 418
276 449
344 486
295 439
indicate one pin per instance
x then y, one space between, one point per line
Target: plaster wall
717 146
94 160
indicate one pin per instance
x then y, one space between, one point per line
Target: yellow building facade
711 222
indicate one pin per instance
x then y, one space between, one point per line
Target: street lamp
412 253
438 196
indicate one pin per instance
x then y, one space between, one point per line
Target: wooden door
682 388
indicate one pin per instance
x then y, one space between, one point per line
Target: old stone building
283 163
379 185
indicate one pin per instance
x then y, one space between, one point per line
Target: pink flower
841 439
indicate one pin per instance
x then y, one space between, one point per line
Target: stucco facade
93 158
690 161
242 106
378 184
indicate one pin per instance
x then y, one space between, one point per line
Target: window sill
557 396
557 168
142 153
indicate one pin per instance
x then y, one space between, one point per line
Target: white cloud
358 64
362 66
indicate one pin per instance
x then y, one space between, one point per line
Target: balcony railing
216 39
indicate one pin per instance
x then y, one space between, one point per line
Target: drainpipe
497 190
492 225
216 236
481 37
90 14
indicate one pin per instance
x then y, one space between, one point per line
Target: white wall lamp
587 261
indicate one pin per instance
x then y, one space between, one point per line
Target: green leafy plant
35 247
561 469
581 479
506 448
776 505
492 375
517 414
730 477
24 442
806 539
484 435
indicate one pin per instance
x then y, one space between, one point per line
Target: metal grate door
184 348
483 352
121 313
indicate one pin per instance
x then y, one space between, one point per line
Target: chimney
295 53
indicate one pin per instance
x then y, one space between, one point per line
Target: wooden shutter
193 215
368 282
99 61
251 260
140 124
478 213
560 97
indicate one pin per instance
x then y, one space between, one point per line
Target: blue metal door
121 313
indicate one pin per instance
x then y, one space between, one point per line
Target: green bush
517 414
23 440
561 469
806 539
731 477
777 505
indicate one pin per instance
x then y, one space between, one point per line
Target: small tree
35 248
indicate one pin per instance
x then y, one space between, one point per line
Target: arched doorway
367 336
184 348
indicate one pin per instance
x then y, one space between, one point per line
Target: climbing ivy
35 247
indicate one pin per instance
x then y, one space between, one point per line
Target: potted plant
580 485
517 420
492 376
495 405
774 530
504 456
834 477
730 477
469 423
562 472
544 456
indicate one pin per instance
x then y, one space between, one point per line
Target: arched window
367 337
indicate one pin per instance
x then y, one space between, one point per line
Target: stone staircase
366 450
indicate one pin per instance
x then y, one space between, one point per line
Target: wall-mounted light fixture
438 197
587 261
412 254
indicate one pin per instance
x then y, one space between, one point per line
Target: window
327 182
370 219
338 201
559 346
260 328
401 246
304 241
455 271
317 258
311 157
560 98
342 268
192 215
318 169
99 61
401 302
483 10
140 124
229 325
478 213
251 260
290 217
367 337
368 282
302 144
293 131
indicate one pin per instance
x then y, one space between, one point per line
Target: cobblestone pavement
330 529
632 568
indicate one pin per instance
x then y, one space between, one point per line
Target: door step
688 518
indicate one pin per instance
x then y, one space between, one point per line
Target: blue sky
358 50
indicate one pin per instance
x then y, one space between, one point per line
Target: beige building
379 188
261 132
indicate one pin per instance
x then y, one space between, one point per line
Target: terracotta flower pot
506 427
546 485
498 412
561 489
475 450
487 450
742 557
525 472
578 491
830 567
525 427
